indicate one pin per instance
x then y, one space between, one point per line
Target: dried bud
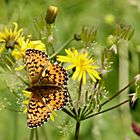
77 37
51 14
124 31
106 59
136 128
88 35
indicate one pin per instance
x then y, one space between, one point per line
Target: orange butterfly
48 87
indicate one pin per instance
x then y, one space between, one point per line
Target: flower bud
136 128
51 14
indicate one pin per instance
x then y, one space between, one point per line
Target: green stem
80 89
49 32
118 93
84 118
18 76
15 126
77 129
36 134
37 27
32 134
69 113
84 110
71 103
13 110
79 97
63 46
44 133
87 108
123 67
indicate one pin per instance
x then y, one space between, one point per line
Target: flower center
10 44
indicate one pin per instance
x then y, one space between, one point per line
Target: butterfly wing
37 113
55 97
40 69
35 61
43 101
54 74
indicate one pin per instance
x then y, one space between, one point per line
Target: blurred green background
72 15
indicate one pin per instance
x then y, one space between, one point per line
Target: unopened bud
51 14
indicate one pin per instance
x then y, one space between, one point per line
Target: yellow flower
13 39
10 37
82 63
19 52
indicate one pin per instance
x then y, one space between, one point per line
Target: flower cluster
13 39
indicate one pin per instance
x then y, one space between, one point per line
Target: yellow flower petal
92 77
26 102
80 75
2 48
20 68
37 44
63 58
70 67
52 116
25 110
76 74
27 93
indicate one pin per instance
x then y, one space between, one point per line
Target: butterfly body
48 87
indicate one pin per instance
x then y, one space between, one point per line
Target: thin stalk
84 110
79 97
50 49
44 133
18 76
80 89
49 32
69 113
37 27
36 134
123 62
86 117
63 46
87 108
31 134
123 65
118 93
86 101
71 103
15 126
13 110
77 129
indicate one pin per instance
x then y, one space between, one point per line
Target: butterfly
48 87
